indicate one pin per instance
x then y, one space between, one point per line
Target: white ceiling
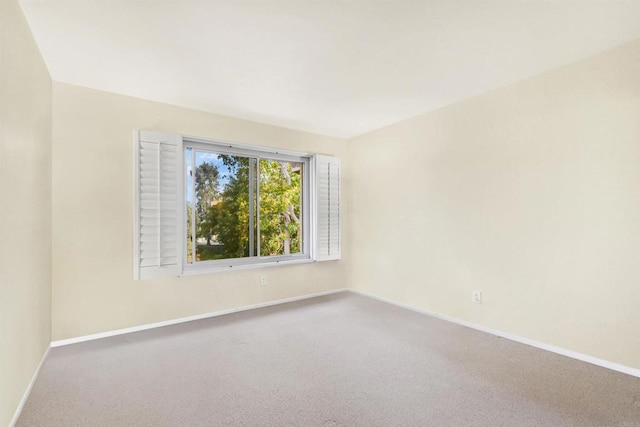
337 68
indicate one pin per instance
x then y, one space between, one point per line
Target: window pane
188 154
280 207
242 206
221 204
232 227
206 197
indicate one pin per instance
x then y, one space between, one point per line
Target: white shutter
158 208
327 208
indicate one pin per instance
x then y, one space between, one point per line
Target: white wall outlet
263 281
477 297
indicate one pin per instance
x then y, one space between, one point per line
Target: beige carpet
338 360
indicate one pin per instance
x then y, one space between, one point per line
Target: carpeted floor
337 360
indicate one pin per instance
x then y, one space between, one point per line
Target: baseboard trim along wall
27 392
187 319
564 352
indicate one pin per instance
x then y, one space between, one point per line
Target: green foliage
224 216
279 208
189 234
206 182
233 210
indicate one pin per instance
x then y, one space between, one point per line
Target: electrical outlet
263 281
477 297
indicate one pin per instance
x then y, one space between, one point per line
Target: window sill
196 270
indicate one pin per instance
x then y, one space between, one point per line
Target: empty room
319 213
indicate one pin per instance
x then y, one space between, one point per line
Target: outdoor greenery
280 226
222 208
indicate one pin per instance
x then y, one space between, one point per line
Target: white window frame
321 192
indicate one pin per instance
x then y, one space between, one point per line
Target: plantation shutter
158 216
328 208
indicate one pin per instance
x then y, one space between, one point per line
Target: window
205 206
244 207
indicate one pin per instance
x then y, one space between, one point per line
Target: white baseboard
27 392
186 319
569 353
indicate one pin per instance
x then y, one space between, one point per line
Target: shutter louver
328 208
158 205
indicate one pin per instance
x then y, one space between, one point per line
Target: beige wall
530 194
25 208
93 286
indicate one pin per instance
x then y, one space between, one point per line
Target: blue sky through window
224 174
